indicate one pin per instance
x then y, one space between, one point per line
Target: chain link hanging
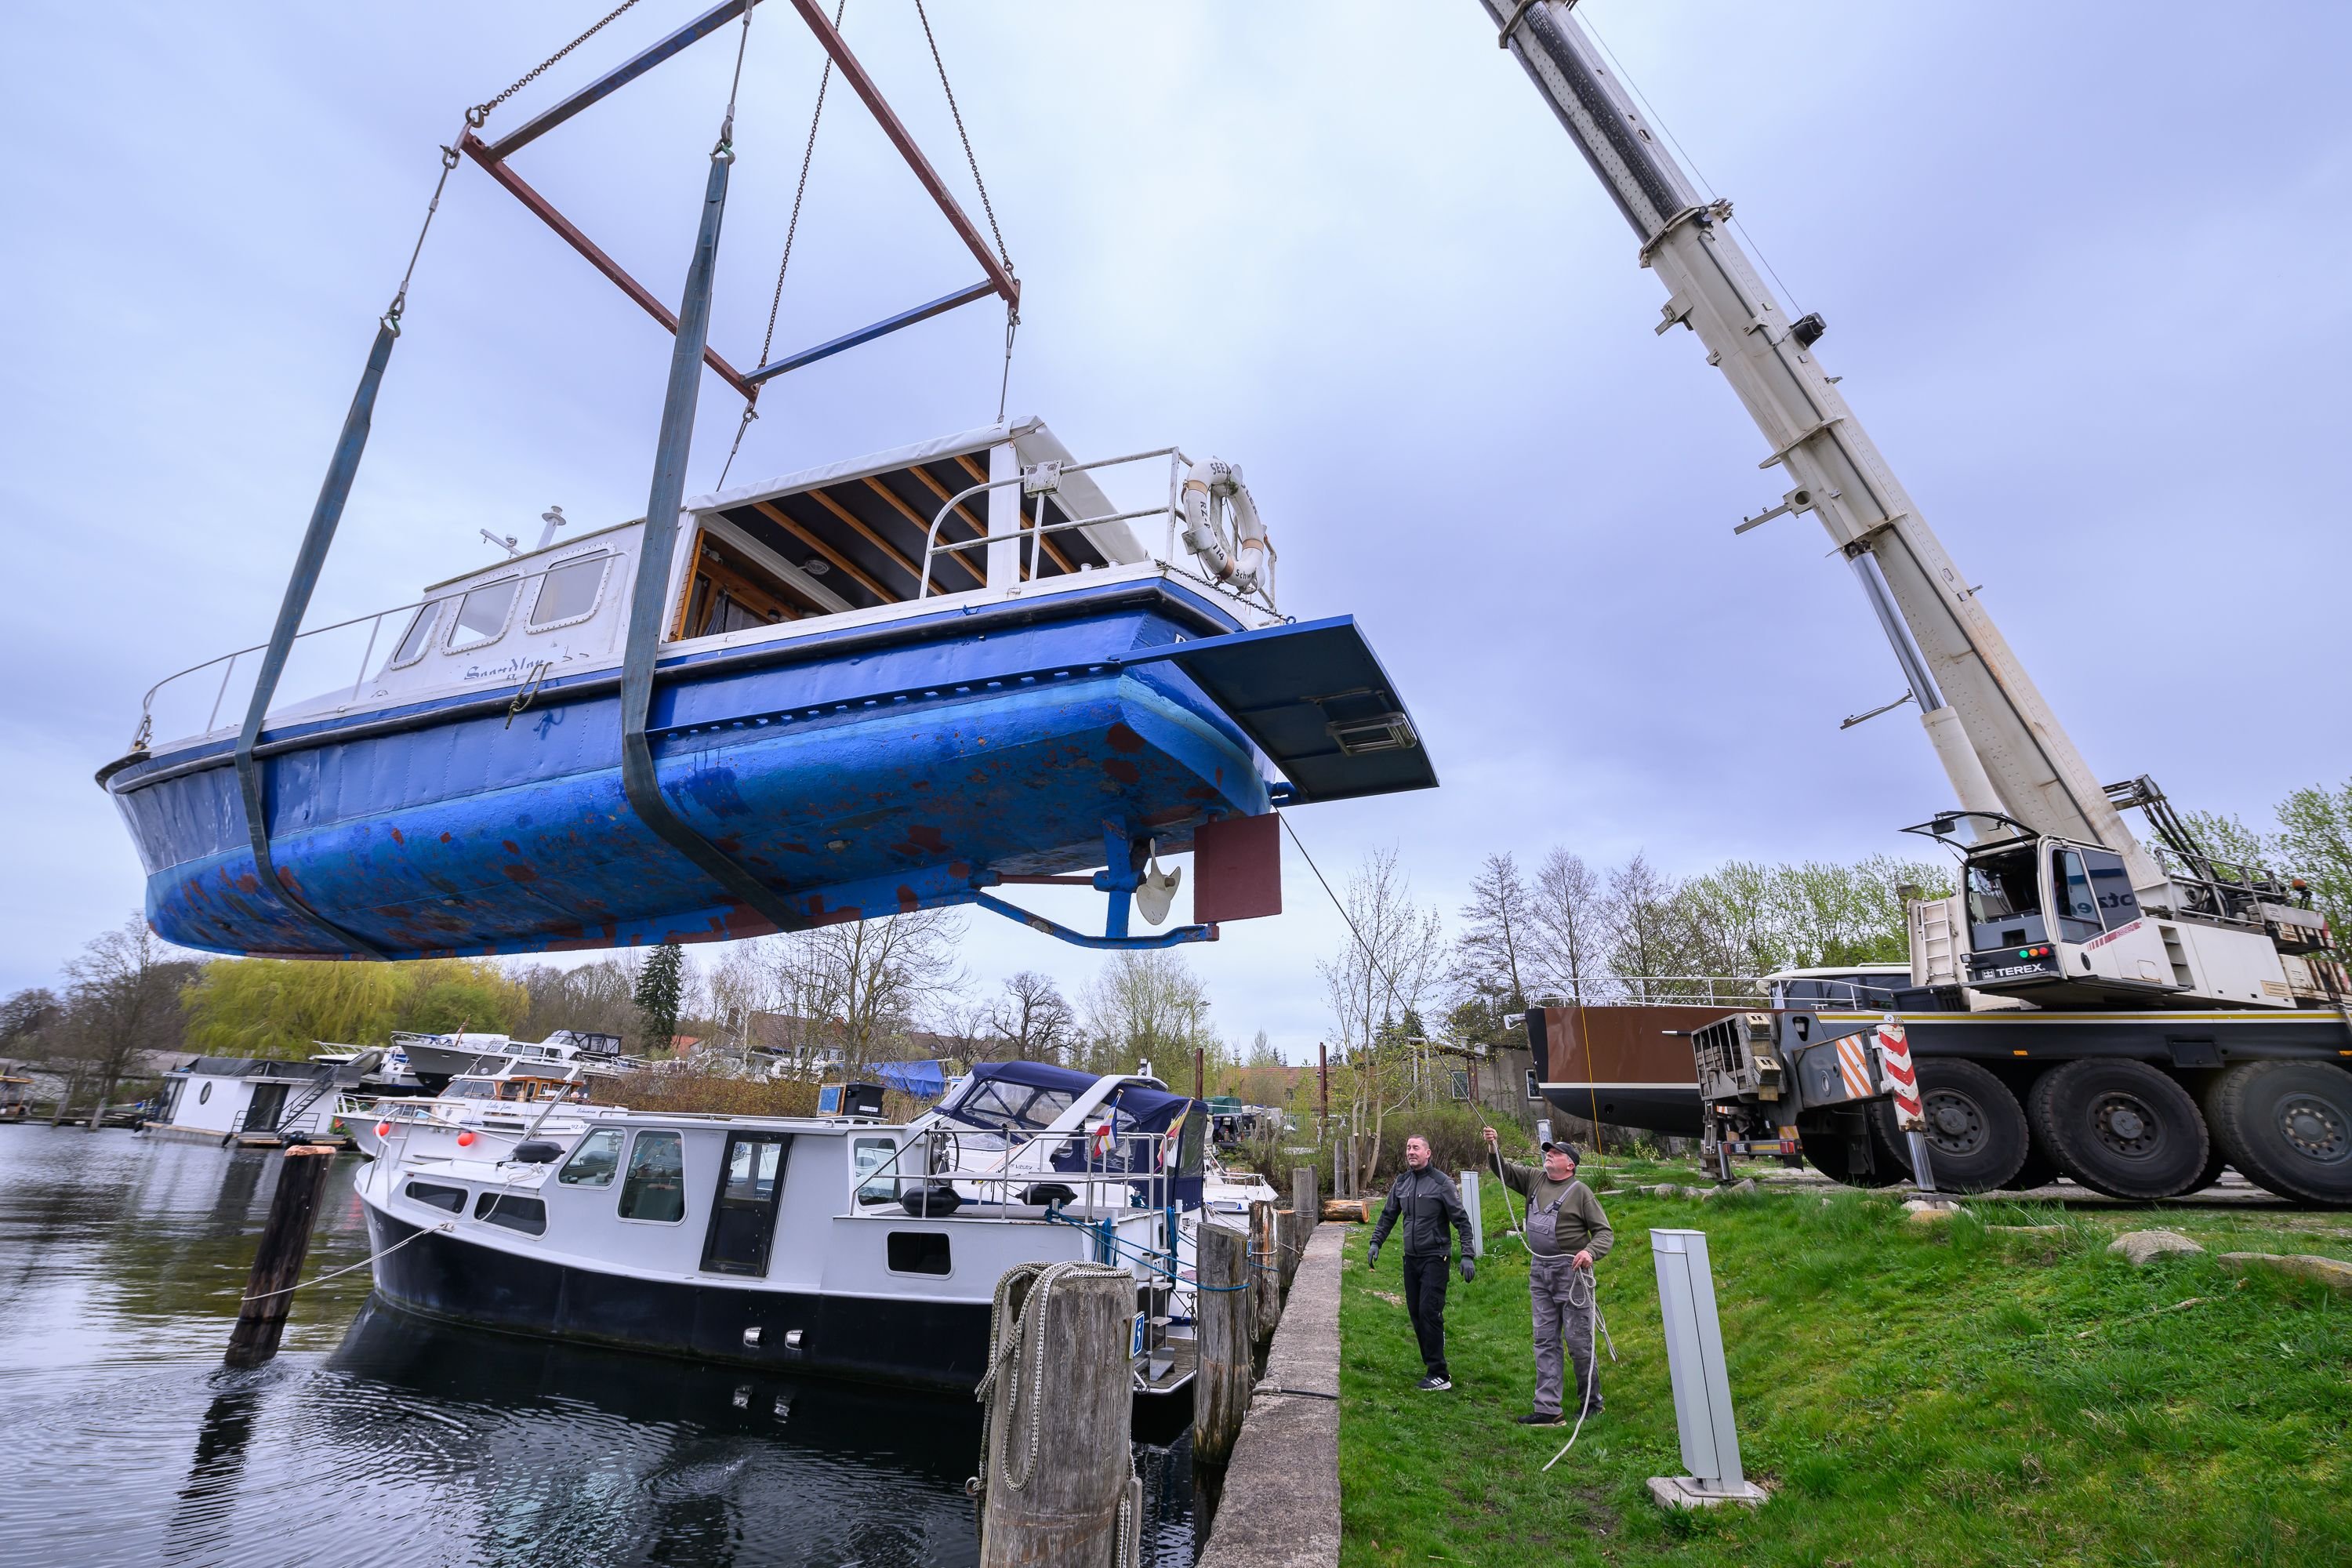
481 111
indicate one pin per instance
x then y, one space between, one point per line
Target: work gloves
1372 1257
1469 1269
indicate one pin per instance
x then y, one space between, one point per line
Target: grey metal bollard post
1478 1220
1702 1385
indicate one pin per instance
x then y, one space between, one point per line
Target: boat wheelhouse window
595 1162
452 1199
419 636
483 614
655 1188
743 1218
528 1215
471 1089
866 1156
918 1252
568 592
730 591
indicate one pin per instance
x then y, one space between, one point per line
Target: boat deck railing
1102 1172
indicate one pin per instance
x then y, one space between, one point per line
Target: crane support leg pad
1684 1491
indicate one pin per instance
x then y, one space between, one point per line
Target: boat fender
1045 1195
536 1151
1209 488
932 1202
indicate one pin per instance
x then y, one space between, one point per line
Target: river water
377 1437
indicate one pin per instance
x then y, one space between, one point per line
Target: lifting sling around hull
866 772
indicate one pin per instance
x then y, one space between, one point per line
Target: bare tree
1569 921
28 1013
122 997
1647 932
1498 925
1146 1006
1033 1020
1375 984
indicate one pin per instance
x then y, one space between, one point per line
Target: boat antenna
775 302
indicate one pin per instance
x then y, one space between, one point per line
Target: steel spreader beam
619 76
545 211
1008 287
883 328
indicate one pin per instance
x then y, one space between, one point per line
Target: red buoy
384 1129
464 1140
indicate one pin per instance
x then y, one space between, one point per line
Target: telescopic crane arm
2002 747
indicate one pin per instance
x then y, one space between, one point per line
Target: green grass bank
1909 1395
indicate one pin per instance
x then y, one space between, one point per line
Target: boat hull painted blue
869 781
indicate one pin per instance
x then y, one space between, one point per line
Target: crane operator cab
2054 922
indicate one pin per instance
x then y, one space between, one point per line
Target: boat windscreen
1001 1104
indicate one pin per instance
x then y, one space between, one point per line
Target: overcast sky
2082 266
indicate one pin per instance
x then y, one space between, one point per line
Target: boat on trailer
839 1245
897 683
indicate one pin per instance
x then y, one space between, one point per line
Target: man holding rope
1566 1234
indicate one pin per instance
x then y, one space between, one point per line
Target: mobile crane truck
2082 1005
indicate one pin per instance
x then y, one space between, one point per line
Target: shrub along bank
1953 1395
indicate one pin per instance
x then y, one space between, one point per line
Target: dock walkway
1281 1502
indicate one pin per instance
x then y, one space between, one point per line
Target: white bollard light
1702 1385
1478 1220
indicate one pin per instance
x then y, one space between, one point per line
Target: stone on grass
2142 1247
2333 1272
1921 1212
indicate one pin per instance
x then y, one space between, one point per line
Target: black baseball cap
1566 1148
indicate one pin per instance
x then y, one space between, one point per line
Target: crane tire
2039 1171
1830 1151
2121 1126
2287 1126
1977 1136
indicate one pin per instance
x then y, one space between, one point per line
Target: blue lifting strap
324 517
638 780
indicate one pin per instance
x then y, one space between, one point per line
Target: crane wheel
1976 1134
2120 1127
1849 1155
2288 1126
2039 1171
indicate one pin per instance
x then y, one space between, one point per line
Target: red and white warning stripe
1853 1067
1895 1057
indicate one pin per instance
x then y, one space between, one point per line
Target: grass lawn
1909 1395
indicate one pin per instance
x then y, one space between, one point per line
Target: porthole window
451 1200
568 592
204 1094
482 614
419 636
528 1215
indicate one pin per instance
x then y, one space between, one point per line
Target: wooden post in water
278 1261
1306 1199
1266 1270
1289 1239
1055 1475
1223 1319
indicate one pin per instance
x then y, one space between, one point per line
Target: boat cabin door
743 1215
268 1102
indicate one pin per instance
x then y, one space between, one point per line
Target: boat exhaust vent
1379 733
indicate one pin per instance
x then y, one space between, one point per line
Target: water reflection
377 1437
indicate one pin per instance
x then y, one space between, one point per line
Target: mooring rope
445 1224
1591 1356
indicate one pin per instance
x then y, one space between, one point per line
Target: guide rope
481 111
1591 1356
445 1224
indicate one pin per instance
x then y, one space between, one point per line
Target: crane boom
2001 745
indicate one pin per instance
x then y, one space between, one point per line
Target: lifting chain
481 111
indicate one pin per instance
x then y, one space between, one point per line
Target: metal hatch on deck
1315 699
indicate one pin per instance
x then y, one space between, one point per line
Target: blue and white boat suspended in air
1072 686
897 683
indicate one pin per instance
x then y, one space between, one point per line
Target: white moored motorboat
839 1246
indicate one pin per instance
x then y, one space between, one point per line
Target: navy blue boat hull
857 776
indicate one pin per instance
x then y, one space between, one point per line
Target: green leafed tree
287 1009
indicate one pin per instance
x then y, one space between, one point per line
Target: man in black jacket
1425 1198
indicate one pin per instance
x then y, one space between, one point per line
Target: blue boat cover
924 1079
1031 1094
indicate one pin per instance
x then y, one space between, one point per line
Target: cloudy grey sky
2082 266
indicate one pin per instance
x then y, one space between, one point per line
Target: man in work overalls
1566 1234
1425 1198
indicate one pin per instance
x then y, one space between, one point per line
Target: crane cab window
2078 907
2004 894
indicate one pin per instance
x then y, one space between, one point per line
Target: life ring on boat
1209 488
